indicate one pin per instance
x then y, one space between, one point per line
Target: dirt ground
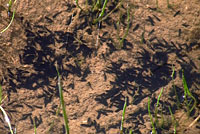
97 74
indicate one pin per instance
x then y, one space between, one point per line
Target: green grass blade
158 101
131 131
9 23
142 37
62 103
157 104
174 88
127 29
78 5
151 118
173 71
188 93
157 4
7 119
52 123
168 4
123 116
35 132
173 120
184 84
9 5
118 5
102 12
97 5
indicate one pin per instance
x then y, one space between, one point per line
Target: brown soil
96 75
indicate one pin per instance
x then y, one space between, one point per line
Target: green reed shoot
174 88
173 119
10 3
142 37
96 6
9 6
187 94
102 12
123 116
131 131
162 119
4 112
62 103
77 4
168 5
118 5
118 26
52 123
35 132
7 119
9 23
1 95
156 4
128 131
157 105
127 28
151 118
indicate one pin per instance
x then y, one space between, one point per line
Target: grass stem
127 28
102 12
187 94
173 120
7 119
77 4
174 88
62 103
151 118
123 116
35 131
157 105
9 23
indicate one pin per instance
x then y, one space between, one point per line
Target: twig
194 121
